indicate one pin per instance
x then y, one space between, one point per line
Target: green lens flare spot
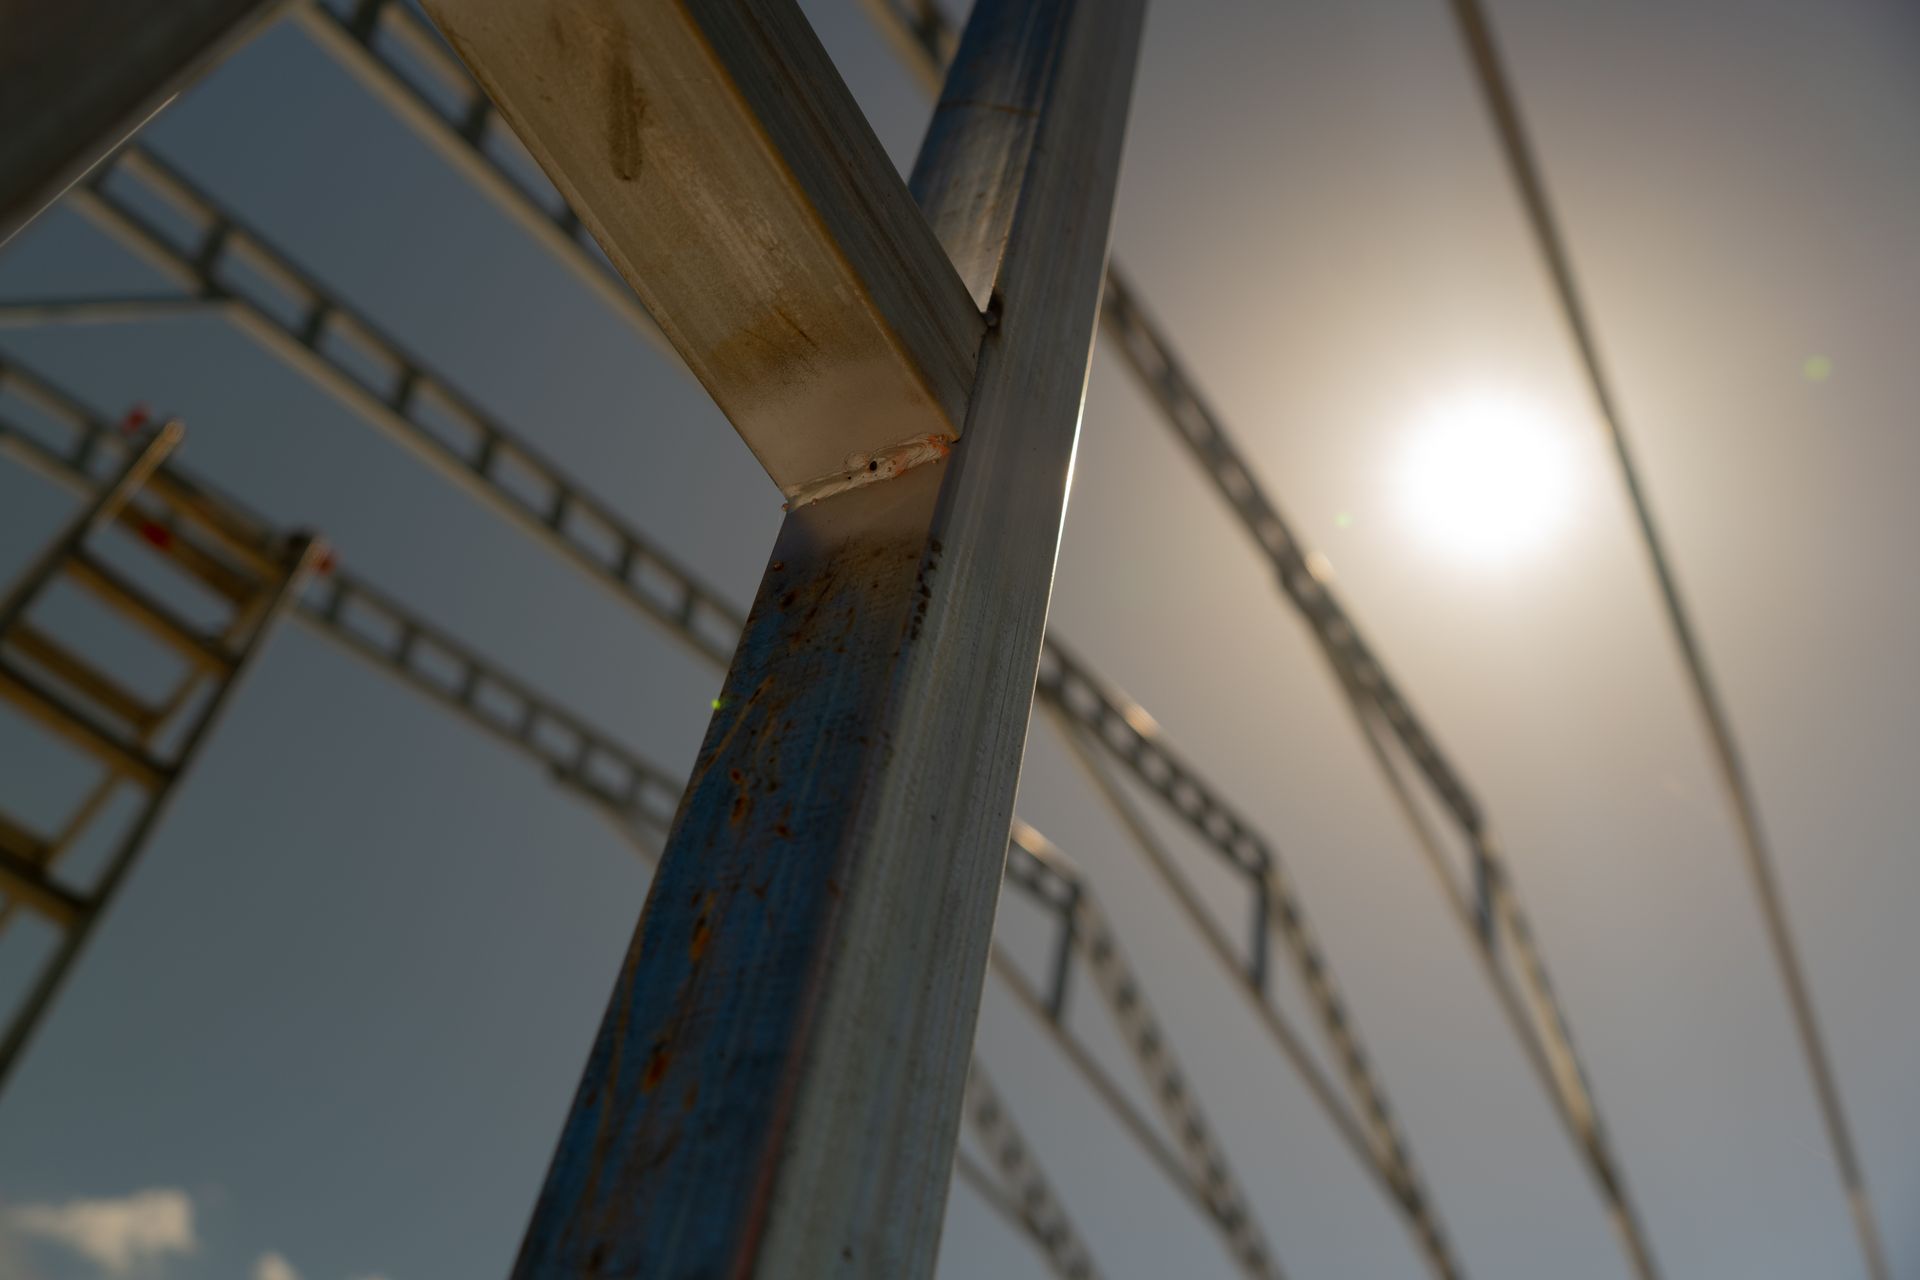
1816 369
1343 521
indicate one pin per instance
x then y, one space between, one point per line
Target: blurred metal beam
402 61
238 274
1366 1123
1029 1204
61 688
1496 88
1200 1168
78 76
636 794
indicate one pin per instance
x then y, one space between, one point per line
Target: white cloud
116 1234
271 1266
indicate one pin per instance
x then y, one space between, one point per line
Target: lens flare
1487 478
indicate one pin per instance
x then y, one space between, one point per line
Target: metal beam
1030 1204
78 76
1123 729
125 750
1529 182
637 797
715 154
1491 908
1202 1169
367 42
224 261
802 987
1365 1122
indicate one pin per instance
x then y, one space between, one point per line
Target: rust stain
657 1064
625 106
794 325
702 935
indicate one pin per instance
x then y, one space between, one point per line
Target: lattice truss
127 486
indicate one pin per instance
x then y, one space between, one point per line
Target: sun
1487 477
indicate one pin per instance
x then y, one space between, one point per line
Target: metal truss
1200 1170
234 271
396 55
1490 910
1523 167
1030 1204
391 50
1093 715
636 794
137 739
229 269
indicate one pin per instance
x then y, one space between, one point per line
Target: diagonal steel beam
77 77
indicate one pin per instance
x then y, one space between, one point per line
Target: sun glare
1487 478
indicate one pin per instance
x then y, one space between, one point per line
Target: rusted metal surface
628 790
777 1084
689 1119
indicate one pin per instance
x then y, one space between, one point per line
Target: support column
776 1088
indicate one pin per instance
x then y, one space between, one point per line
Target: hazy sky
337 1016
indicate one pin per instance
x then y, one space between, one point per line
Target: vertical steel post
776 1088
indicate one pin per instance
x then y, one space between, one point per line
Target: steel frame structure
228 268
1490 913
636 796
231 270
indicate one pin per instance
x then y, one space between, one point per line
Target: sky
331 1026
